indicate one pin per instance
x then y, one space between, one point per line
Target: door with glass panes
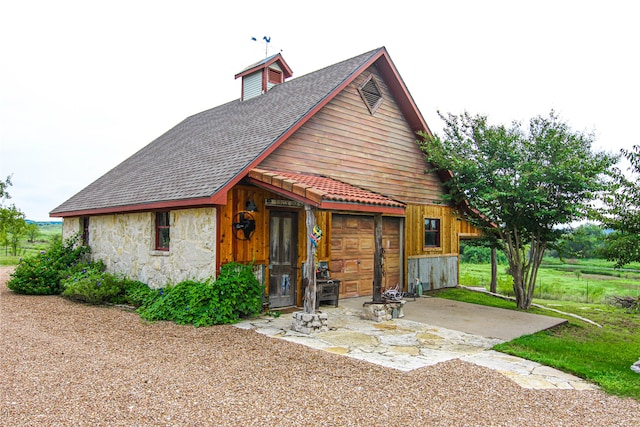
283 257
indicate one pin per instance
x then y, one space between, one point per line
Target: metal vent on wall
371 94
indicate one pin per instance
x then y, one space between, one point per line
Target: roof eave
217 199
401 93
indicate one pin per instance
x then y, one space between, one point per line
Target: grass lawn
577 280
601 355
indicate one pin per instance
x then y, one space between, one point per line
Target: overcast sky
85 84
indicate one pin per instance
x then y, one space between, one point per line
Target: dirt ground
69 364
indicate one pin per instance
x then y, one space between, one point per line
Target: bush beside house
65 270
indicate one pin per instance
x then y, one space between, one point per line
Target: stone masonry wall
126 244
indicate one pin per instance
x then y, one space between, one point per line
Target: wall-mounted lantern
251 206
244 225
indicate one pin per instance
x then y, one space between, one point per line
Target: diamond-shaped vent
371 94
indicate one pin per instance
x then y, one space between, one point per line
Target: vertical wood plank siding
451 227
256 249
376 152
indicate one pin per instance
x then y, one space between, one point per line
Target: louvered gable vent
371 94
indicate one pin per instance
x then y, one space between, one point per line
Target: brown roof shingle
197 158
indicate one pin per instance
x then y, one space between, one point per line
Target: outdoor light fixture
244 225
251 206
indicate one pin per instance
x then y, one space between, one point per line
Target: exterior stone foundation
307 323
380 312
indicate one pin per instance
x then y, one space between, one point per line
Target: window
162 231
84 223
371 94
431 233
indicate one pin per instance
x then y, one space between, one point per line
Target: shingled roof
198 160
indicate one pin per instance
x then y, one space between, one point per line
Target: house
232 184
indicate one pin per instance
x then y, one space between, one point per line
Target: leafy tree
32 231
12 223
478 251
521 184
12 228
622 213
4 194
585 241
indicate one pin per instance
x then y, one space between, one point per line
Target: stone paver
406 345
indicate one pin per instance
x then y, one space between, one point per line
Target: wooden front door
283 257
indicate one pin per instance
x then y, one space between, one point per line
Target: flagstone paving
407 345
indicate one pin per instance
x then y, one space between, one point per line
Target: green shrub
235 293
189 302
505 285
239 288
138 294
93 285
42 274
480 254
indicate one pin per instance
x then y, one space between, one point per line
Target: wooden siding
468 230
256 249
377 152
452 226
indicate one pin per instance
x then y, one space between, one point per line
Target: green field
589 281
48 232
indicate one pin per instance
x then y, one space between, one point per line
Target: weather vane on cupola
267 40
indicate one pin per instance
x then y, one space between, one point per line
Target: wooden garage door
352 253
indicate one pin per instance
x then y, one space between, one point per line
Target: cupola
258 78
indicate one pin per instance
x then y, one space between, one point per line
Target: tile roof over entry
324 192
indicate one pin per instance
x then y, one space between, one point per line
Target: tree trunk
523 267
494 271
309 305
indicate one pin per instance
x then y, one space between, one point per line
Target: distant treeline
585 242
43 223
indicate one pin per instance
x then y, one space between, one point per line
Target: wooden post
309 266
378 259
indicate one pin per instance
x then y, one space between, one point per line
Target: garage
353 249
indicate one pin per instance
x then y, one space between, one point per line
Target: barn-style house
232 184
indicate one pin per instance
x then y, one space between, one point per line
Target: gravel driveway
68 364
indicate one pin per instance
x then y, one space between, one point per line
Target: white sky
85 84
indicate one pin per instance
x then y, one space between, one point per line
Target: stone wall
126 244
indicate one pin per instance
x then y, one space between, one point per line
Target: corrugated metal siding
434 272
